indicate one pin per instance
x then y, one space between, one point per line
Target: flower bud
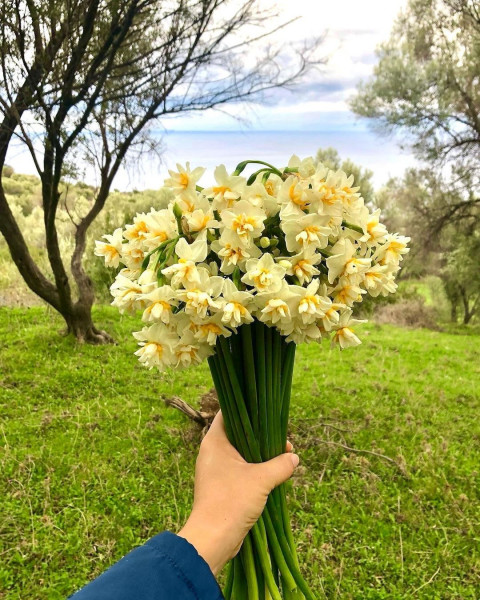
285 264
264 242
177 211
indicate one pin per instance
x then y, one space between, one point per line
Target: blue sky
353 29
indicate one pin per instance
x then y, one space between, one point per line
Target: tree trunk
467 313
453 312
78 318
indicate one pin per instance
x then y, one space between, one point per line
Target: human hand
229 495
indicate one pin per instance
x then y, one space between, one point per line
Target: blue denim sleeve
167 567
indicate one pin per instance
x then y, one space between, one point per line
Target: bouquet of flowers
239 274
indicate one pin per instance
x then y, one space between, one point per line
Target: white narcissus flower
111 249
306 303
273 307
293 197
232 230
392 251
132 256
159 304
272 185
202 295
324 193
306 230
201 217
156 346
187 202
245 220
344 260
232 252
306 167
377 280
229 188
349 195
189 351
185 271
344 335
300 333
207 330
257 195
235 309
347 291
331 318
127 294
184 179
137 231
302 264
375 231
161 226
264 274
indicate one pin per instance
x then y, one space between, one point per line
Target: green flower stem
265 561
240 590
251 453
249 376
249 568
241 166
272 519
227 362
352 226
286 389
253 176
286 523
249 447
239 441
279 445
270 405
235 343
222 398
227 592
262 387
260 575
277 550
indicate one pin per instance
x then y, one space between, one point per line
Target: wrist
208 541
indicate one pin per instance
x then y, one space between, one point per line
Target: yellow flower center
221 189
111 250
155 348
270 188
184 180
297 197
243 225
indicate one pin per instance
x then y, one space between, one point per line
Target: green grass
92 463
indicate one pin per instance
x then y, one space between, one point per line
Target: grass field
93 464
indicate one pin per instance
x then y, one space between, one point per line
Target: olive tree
81 83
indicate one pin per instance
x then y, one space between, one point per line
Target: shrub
408 313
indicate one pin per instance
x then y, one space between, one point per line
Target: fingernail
295 460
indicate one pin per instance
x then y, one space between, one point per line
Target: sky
315 114
352 29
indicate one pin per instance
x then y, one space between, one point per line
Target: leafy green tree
417 203
461 273
426 83
81 83
426 88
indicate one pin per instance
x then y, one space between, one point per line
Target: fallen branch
208 407
363 451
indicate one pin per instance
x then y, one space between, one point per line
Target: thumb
277 470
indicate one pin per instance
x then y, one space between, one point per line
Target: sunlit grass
93 463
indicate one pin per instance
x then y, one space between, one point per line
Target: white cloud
353 30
